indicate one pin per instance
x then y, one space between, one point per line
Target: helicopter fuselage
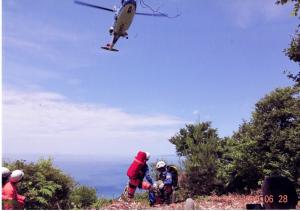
123 20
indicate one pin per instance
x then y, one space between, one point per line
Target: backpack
137 168
174 172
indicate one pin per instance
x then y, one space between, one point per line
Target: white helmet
160 164
16 176
147 155
5 172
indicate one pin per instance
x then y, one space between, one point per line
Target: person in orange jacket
10 198
136 173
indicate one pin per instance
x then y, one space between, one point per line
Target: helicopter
122 19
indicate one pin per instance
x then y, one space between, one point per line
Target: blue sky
63 94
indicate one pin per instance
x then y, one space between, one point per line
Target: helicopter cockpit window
129 10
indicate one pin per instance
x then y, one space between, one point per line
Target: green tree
295 2
293 51
197 143
83 197
238 168
270 143
276 122
45 186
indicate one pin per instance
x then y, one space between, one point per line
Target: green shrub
83 197
45 186
198 144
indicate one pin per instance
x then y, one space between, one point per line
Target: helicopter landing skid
109 49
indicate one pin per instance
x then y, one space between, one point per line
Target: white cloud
195 112
35 38
30 77
249 12
74 81
48 123
21 43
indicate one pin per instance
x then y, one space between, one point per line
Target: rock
189 204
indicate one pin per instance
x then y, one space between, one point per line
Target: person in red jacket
136 173
10 198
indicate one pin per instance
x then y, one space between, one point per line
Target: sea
106 175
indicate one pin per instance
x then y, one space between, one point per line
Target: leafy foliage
44 186
237 168
83 197
269 144
198 144
47 187
276 122
293 51
295 78
295 2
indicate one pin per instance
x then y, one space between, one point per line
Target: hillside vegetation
267 145
47 187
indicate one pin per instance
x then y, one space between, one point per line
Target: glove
161 186
154 186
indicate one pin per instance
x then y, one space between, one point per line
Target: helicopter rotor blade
152 14
94 6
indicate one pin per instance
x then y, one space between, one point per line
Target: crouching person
166 186
156 193
136 173
11 200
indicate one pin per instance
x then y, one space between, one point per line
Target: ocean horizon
106 175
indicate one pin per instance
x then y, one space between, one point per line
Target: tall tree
198 144
277 124
273 135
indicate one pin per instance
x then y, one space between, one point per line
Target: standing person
5 175
10 198
166 187
136 173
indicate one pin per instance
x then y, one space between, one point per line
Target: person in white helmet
10 198
165 186
5 175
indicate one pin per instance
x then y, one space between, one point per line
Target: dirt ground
227 202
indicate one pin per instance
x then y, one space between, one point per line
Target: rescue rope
147 6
